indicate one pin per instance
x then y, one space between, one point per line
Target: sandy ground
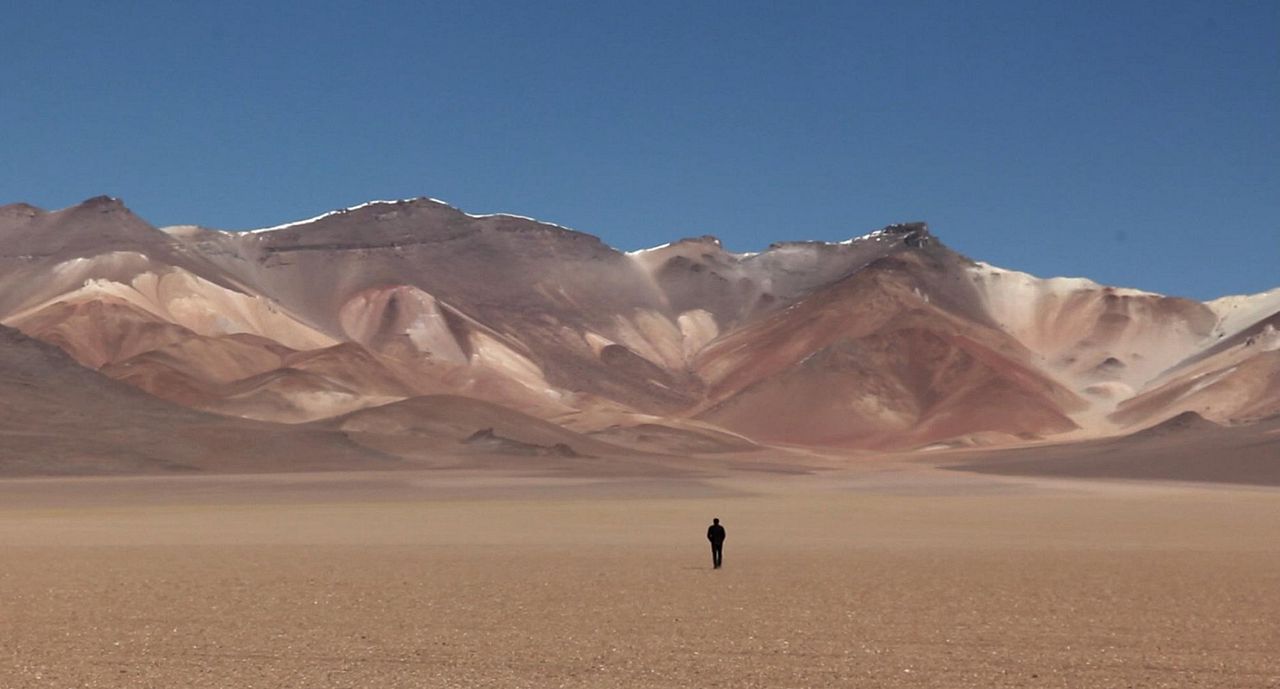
910 578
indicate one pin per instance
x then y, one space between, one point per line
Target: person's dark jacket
715 533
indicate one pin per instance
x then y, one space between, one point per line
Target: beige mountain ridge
401 329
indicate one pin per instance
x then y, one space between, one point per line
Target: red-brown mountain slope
889 340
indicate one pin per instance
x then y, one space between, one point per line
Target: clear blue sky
1134 143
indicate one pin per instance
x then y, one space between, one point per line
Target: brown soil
875 578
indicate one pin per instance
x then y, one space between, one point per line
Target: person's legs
716 554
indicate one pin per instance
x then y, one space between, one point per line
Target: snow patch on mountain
322 216
877 235
343 211
659 247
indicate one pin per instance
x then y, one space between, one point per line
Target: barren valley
401 445
894 577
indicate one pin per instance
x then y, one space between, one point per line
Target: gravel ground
1117 587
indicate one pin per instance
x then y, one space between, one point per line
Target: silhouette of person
715 534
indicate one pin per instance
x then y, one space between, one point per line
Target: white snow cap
341 211
645 251
870 235
877 235
322 216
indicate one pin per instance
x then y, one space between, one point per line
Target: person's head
715 520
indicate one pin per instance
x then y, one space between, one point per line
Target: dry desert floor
904 577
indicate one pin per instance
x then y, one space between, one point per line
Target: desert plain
874 574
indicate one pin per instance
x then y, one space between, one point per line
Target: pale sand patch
895 577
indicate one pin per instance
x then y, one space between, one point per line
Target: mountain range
407 331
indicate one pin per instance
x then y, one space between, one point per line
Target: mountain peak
706 240
344 211
15 214
885 340
21 209
914 234
103 203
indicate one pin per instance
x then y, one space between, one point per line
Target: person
715 534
